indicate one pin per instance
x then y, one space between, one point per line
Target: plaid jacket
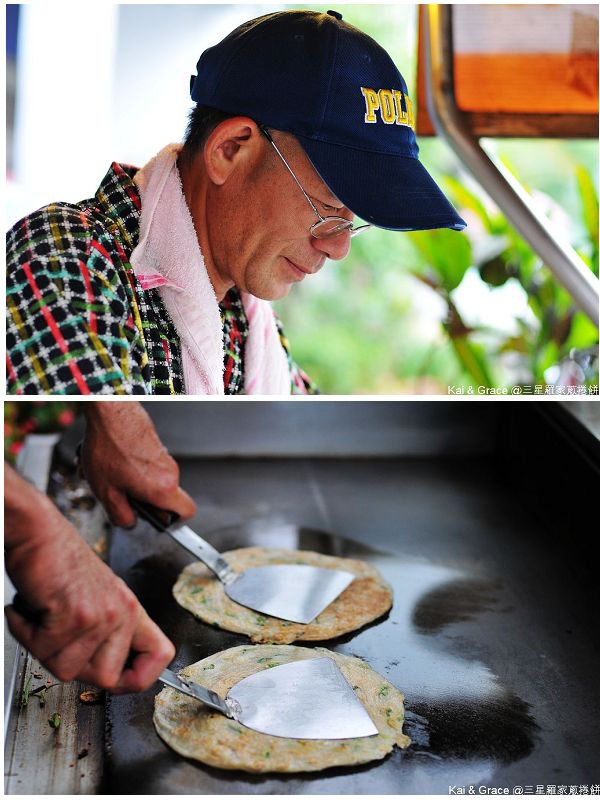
79 322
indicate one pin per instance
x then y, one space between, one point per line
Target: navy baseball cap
340 94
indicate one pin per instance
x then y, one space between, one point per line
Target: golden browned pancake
365 599
195 731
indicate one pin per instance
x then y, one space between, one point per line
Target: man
71 611
161 282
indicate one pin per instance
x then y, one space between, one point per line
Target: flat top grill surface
492 636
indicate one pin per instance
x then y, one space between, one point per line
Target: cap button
335 14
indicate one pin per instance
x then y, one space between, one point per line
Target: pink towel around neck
168 257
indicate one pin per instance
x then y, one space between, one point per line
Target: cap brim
389 191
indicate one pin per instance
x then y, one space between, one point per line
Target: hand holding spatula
295 592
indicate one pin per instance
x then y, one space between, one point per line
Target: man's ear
234 143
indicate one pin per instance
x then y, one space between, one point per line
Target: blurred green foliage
34 417
401 314
556 332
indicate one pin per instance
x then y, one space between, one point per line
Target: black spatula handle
164 520
159 518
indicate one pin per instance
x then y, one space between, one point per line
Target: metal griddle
492 637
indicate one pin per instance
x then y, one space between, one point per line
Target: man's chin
272 293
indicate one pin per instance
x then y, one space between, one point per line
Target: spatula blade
295 592
307 699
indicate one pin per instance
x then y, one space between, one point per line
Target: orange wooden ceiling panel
495 75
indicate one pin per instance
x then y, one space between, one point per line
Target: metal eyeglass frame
343 224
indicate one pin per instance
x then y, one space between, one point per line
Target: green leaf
515 344
464 198
495 272
547 293
564 301
26 691
548 356
446 252
472 358
589 201
424 244
583 332
54 720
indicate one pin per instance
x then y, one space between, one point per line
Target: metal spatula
308 699
294 592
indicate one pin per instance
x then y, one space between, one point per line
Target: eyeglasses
326 227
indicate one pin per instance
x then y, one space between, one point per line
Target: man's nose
335 247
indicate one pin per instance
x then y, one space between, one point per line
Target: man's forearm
25 510
86 621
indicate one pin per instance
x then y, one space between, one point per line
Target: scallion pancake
365 599
195 731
